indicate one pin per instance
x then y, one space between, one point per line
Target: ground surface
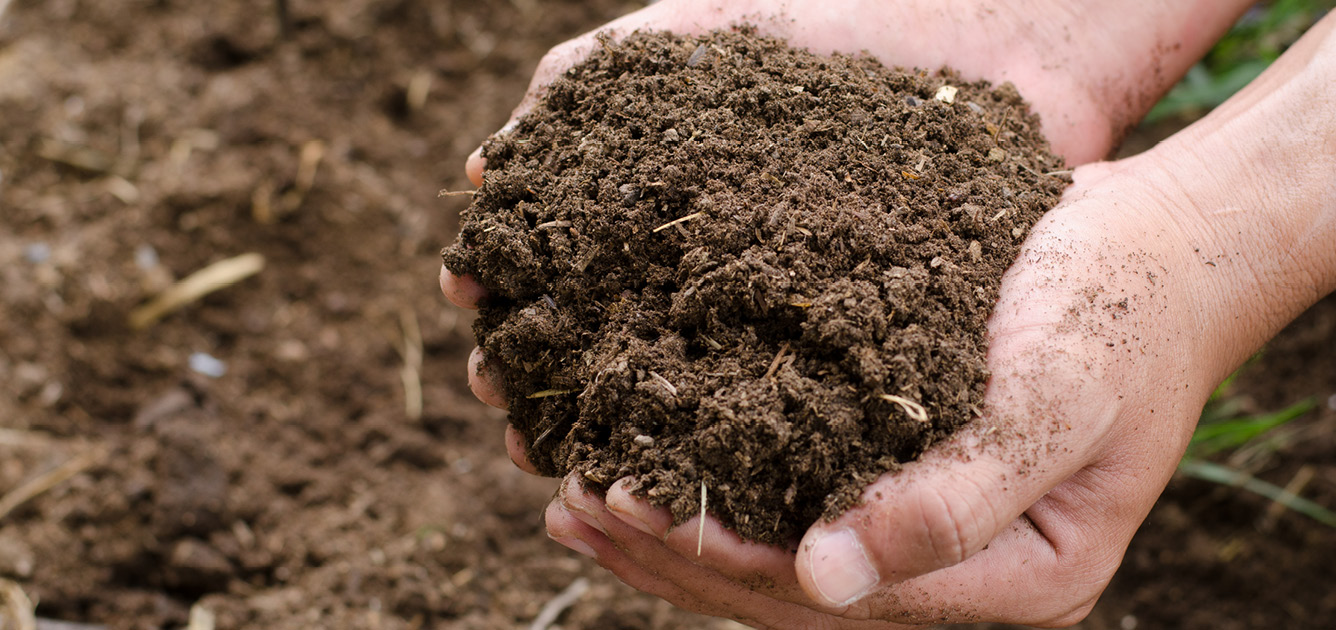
140 141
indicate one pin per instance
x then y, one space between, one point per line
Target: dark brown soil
722 263
294 491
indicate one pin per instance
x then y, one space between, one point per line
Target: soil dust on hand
723 260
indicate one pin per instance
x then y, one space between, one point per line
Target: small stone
643 441
37 253
996 155
946 94
207 364
670 135
146 257
630 194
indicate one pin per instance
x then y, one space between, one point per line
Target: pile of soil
723 263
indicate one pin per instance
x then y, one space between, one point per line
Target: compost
722 265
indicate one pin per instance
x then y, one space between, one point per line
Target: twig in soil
46 481
308 162
14 437
678 221
557 605
219 275
552 224
700 534
551 392
997 131
715 345
419 87
456 193
663 381
774 365
52 624
16 609
915 411
78 157
412 371
543 436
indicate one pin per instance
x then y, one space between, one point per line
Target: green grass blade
1213 436
1224 475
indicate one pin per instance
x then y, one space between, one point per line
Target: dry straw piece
219 275
16 609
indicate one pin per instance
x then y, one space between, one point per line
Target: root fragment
915 411
678 221
672 389
700 535
779 358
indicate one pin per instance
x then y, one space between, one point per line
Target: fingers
463 291
765 568
474 165
646 563
515 448
479 382
1020 577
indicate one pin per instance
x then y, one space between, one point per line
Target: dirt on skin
723 264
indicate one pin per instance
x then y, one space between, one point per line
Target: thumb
931 515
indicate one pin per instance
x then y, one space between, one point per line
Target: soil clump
720 262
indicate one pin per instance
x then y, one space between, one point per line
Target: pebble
206 364
37 253
146 257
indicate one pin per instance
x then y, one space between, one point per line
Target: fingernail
841 570
573 507
586 518
633 521
578 546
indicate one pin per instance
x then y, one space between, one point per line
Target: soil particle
722 260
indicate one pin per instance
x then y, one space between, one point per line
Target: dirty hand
1128 303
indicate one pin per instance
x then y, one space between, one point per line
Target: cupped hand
1024 514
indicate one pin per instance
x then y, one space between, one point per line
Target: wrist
1108 61
1252 190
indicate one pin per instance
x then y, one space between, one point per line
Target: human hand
1037 548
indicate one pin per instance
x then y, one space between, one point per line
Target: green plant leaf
1224 475
1213 436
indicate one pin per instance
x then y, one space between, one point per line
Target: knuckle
951 527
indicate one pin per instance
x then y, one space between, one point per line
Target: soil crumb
727 261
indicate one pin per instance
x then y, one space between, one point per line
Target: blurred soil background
300 449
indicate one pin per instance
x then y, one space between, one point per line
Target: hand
1023 516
